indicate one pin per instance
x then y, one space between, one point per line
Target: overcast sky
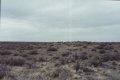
60 20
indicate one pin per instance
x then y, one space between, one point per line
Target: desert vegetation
59 61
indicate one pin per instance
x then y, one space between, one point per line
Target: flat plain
60 60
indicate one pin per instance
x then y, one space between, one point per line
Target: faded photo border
0 12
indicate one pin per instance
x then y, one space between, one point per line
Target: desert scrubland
59 61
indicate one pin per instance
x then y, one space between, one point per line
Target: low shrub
116 51
93 50
86 69
5 52
55 73
24 55
84 46
95 61
76 56
102 51
65 54
56 57
110 57
30 64
42 59
99 47
34 52
16 54
77 66
109 48
15 61
83 56
52 49
64 61
61 74
3 71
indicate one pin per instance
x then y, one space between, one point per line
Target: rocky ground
59 61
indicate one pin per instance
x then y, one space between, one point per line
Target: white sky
60 20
